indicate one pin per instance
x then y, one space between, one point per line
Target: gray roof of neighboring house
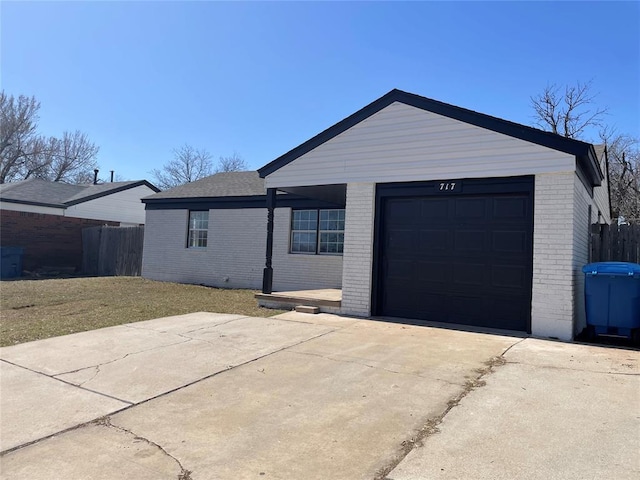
226 184
35 191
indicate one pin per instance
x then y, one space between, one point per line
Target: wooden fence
112 251
613 243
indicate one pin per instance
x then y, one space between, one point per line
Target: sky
260 78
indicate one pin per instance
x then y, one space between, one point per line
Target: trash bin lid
612 268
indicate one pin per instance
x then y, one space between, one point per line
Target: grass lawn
37 309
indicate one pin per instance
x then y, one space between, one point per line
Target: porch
328 300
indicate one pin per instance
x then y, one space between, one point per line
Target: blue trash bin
11 262
612 298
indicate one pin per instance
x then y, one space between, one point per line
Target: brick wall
233 258
552 303
48 240
235 255
358 249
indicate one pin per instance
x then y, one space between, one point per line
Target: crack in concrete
106 422
135 327
121 358
513 345
131 404
431 425
97 367
52 377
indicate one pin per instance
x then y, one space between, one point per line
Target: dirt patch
37 309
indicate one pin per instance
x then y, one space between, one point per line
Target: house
46 218
416 209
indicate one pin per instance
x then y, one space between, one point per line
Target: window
198 229
317 231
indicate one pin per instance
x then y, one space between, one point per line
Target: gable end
584 152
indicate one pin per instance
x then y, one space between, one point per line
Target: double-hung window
198 229
317 231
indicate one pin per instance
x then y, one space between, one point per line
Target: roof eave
37 204
150 200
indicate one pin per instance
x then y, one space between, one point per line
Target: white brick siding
235 255
233 258
358 249
553 282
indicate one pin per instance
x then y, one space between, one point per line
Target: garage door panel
466 309
428 307
469 241
510 208
400 269
401 210
464 259
469 208
507 314
400 240
509 276
432 240
509 241
469 274
434 209
431 273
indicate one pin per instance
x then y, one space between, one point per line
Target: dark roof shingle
61 195
225 184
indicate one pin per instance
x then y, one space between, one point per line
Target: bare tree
18 124
73 157
233 163
25 154
188 164
623 152
569 111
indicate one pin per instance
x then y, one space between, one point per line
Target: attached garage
419 211
455 251
450 215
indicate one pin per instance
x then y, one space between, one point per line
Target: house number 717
447 186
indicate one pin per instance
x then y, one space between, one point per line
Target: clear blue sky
260 78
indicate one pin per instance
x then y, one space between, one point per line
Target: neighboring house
46 218
415 208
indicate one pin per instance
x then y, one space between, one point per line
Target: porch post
267 274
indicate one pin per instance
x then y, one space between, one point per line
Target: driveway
206 396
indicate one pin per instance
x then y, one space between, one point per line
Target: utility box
612 299
11 262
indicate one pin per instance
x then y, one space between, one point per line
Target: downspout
267 274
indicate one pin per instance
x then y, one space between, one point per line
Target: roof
227 190
225 184
584 152
35 191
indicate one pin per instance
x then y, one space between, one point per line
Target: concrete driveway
209 396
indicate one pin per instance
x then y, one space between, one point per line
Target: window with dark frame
198 229
318 231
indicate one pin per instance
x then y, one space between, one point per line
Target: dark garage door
457 257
